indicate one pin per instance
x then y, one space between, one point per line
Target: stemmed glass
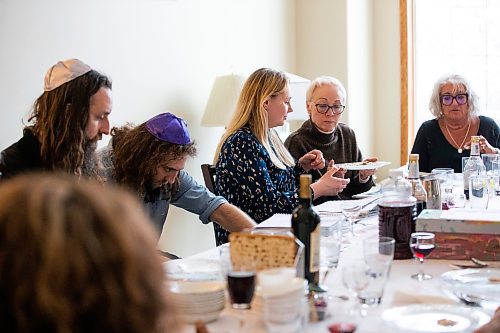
421 245
445 176
355 277
351 210
457 200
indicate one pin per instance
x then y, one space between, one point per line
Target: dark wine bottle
306 227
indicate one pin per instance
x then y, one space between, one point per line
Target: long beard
90 162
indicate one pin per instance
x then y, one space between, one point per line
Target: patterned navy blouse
247 178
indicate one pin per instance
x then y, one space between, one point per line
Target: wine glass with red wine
421 245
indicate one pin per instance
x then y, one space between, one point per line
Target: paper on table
277 221
285 221
374 191
335 206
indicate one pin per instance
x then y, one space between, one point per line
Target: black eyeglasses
336 108
448 99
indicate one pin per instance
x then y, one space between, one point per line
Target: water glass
355 277
443 174
379 251
331 241
464 162
479 191
378 255
494 185
491 163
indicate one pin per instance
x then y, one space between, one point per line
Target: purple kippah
170 128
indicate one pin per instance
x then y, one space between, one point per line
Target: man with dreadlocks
149 159
66 122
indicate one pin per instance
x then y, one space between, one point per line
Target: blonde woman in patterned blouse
254 170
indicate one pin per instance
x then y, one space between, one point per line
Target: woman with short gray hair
326 100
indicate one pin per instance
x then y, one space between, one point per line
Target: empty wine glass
355 278
457 200
445 176
351 210
421 245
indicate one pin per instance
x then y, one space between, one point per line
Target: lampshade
222 101
298 89
226 90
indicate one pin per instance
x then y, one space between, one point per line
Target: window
449 36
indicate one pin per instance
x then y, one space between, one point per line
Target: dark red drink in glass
241 286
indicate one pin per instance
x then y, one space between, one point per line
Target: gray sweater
340 146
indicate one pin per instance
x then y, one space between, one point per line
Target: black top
436 152
22 156
341 146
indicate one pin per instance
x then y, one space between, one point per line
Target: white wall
164 55
357 41
360 115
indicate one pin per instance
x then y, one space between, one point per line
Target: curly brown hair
137 154
78 257
59 119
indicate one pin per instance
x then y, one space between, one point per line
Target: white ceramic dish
196 287
361 166
481 286
436 318
193 269
205 317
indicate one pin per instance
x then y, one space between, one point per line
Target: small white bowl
195 287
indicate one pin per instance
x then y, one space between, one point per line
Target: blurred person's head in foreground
77 257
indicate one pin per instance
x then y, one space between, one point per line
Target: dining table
400 290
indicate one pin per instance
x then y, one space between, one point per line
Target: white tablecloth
401 289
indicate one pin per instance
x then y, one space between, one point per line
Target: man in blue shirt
150 158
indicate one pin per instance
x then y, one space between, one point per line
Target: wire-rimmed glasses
447 99
323 108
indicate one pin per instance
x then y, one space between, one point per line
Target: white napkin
405 296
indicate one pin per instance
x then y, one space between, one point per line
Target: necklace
465 137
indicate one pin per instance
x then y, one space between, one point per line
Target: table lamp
222 101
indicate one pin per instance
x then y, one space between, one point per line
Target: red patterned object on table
463 234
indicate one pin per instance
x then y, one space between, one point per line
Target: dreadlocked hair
59 119
137 154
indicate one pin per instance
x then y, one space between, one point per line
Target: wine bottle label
314 252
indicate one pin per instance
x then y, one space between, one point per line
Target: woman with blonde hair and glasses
254 170
325 102
78 257
443 141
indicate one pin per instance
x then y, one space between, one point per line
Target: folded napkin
405 296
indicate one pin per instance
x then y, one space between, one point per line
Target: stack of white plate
198 300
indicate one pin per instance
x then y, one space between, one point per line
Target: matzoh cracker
266 251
